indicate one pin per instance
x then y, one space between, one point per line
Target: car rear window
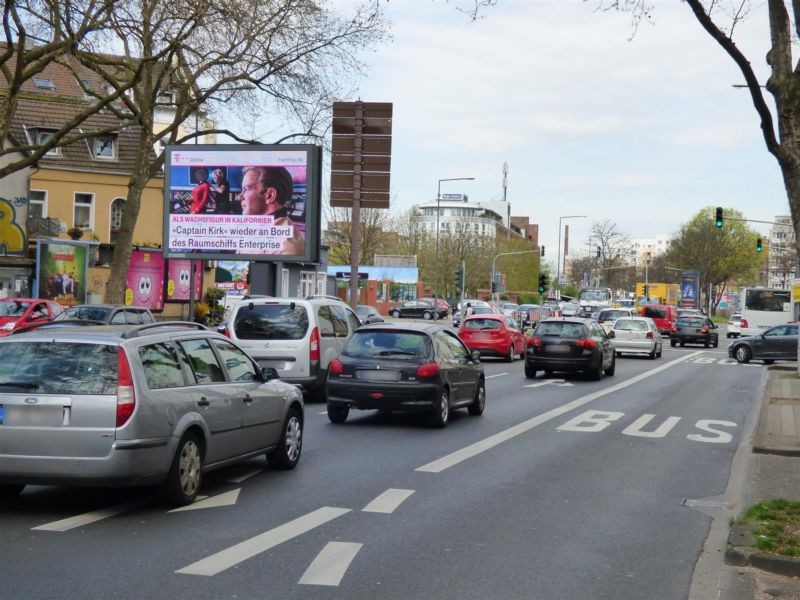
612 315
482 324
691 321
87 313
59 368
564 330
736 318
271 322
630 325
397 344
655 313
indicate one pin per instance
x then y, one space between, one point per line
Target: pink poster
179 273
144 283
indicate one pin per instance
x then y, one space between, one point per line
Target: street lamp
559 242
436 260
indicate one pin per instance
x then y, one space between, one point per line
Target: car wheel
510 355
427 316
610 370
660 350
395 314
337 413
652 355
441 413
186 473
597 372
287 454
728 335
705 344
476 408
683 344
672 343
10 490
743 354
617 354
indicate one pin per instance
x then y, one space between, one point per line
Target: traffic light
459 280
598 252
759 247
719 219
542 283
541 250
494 287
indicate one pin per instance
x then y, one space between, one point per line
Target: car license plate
376 375
558 348
480 336
34 416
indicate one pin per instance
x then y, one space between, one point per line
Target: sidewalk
777 442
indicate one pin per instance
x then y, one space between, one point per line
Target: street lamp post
436 260
558 268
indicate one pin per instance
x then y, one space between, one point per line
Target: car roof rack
136 331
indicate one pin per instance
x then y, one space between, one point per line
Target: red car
493 335
23 311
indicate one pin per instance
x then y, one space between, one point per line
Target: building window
117 207
82 213
321 281
44 84
103 147
42 136
37 204
307 283
284 283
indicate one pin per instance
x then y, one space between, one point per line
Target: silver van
149 404
297 336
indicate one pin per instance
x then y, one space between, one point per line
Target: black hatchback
690 329
417 367
570 344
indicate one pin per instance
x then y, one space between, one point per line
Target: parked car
296 336
776 343
111 314
607 316
415 309
16 312
694 330
734 326
441 305
493 335
636 335
570 344
127 406
484 309
368 314
663 315
415 367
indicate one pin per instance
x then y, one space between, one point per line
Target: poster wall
144 282
178 276
62 270
235 202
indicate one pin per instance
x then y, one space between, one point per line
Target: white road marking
90 517
496 375
216 563
324 412
388 501
226 499
244 476
454 458
558 382
331 563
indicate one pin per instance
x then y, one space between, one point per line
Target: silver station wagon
142 405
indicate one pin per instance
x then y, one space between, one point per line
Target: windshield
767 300
12 308
589 295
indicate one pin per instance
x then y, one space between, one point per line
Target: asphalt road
564 488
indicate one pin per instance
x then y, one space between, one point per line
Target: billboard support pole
355 225
191 290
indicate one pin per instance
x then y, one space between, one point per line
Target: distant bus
763 307
594 296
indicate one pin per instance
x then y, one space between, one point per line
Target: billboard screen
178 276
62 272
144 282
237 202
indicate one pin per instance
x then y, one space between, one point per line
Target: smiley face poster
178 275
144 283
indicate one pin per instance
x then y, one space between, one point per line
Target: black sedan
570 344
417 367
694 330
776 343
415 309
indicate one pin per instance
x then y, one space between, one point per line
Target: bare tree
375 224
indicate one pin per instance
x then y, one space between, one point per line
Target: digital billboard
242 202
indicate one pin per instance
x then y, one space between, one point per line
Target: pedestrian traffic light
541 250
542 283
719 219
759 247
459 280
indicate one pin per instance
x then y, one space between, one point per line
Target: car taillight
674 328
704 330
226 332
534 341
428 370
649 335
313 346
744 323
126 398
586 343
336 367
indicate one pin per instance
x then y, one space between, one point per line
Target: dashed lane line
388 501
331 564
89 517
495 375
454 458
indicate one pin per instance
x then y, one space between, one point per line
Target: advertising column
690 287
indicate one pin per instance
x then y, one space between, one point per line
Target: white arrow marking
226 499
558 382
90 517
331 564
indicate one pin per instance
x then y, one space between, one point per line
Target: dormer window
103 147
44 84
42 136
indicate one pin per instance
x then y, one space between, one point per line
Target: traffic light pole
494 264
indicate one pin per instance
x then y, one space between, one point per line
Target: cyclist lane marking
454 458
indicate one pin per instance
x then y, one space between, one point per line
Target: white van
297 336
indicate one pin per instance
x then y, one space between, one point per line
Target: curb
741 552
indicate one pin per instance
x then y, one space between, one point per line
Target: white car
636 335
734 326
608 316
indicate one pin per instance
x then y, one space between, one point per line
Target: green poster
62 273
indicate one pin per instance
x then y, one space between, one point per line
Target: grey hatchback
128 406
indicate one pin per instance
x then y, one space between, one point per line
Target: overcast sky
643 132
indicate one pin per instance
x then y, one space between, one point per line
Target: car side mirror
475 355
269 373
611 334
